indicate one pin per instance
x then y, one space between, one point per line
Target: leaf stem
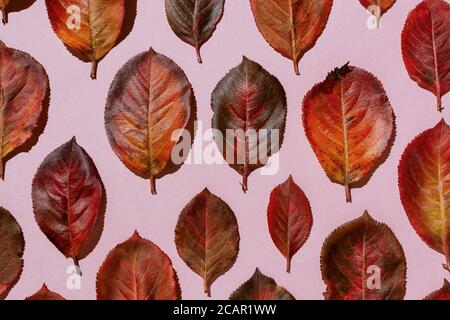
288 266
2 168
153 185
199 55
4 16
76 262
207 288
439 103
94 70
244 183
297 71
348 193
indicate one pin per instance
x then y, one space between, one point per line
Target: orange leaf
291 27
89 29
350 124
424 182
149 101
23 90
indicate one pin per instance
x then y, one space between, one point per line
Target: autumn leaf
378 7
363 260
4 8
251 103
194 22
290 219
67 197
150 101
426 47
207 237
45 294
441 294
23 90
261 287
12 246
291 27
137 270
89 29
424 181
350 124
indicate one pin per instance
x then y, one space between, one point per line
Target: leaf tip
136 236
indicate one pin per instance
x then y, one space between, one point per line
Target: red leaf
350 124
290 219
261 287
363 260
12 246
426 47
441 294
424 182
137 270
45 294
207 237
67 196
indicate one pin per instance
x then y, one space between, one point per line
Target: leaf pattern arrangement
426 47
291 27
194 21
150 101
23 90
261 287
350 124
382 6
45 294
12 245
354 251
290 219
252 103
137 270
89 29
207 237
348 121
67 195
424 181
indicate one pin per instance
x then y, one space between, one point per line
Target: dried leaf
424 181
194 22
149 101
45 294
290 219
441 294
350 124
12 246
207 237
67 196
23 89
137 270
89 29
426 47
291 27
363 260
378 7
251 103
4 8
261 287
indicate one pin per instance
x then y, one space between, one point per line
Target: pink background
77 106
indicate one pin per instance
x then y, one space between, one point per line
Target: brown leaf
23 89
149 101
67 196
426 47
261 287
251 103
45 294
363 260
424 182
194 22
291 27
137 270
290 219
441 294
350 124
207 237
89 29
12 246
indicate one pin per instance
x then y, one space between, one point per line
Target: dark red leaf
441 294
45 294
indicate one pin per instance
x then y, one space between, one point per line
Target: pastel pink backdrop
77 106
